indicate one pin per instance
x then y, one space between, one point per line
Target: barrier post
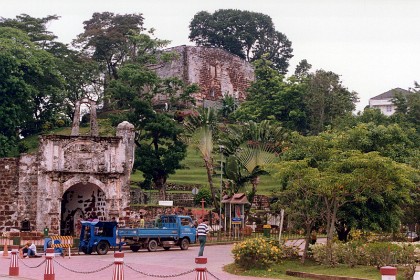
14 264
388 273
416 275
118 266
201 268
5 249
49 267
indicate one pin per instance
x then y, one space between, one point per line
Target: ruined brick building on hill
217 72
78 175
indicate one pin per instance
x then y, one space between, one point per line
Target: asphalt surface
161 264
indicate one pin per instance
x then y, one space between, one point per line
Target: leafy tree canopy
30 87
270 97
249 35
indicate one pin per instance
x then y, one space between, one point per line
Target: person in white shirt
202 231
29 249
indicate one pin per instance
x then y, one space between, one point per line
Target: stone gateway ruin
69 176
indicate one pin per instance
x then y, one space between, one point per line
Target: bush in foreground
256 253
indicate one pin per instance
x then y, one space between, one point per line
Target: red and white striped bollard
388 273
49 267
14 263
201 268
118 266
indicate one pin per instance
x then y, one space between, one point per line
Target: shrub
374 254
350 253
256 253
320 254
381 253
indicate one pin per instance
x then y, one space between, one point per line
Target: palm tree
204 126
253 145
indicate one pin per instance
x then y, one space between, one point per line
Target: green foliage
256 253
105 37
30 87
270 97
408 108
247 34
203 193
326 99
376 254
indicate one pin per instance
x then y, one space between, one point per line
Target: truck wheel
152 245
184 244
102 248
134 248
166 248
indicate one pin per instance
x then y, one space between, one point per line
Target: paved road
161 262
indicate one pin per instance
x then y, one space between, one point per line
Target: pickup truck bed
148 232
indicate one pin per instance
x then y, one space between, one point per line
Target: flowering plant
256 252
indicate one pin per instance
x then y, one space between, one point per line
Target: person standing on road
202 231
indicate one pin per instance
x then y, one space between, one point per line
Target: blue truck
166 232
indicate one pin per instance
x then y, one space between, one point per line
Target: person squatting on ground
202 231
29 250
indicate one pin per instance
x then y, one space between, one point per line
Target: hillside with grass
193 171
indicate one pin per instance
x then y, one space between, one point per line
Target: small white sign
166 203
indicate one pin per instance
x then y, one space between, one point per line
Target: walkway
161 262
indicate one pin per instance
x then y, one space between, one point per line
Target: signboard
166 203
236 221
194 191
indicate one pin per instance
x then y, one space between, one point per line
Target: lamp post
221 186
202 208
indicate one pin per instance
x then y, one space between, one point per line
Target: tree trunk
209 168
330 233
307 242
160 185
251 196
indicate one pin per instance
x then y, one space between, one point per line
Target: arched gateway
69 176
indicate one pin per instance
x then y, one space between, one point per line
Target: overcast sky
374 45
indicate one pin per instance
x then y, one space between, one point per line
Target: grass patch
194 171
279 271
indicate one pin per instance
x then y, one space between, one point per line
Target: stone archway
85 198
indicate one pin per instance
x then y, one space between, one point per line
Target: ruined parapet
94 131
126 131
217 72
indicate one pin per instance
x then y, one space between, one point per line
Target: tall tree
351 181
160 148
247 34
408 108
327 99
107 39
158 137
204 126
79 72
254 145
299 195
30 87
35 28
270 97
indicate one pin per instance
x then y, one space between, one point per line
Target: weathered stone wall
28 188
139 196
69 176
9 181
215 70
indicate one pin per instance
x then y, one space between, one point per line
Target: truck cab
97 237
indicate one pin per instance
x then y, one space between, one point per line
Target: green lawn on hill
194 171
